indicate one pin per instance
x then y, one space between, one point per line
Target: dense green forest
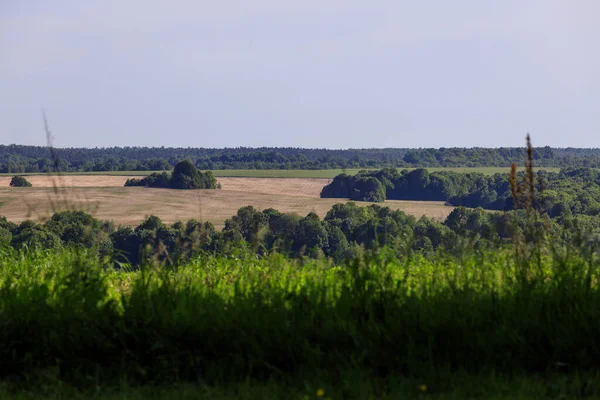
32 159
347 231
572 191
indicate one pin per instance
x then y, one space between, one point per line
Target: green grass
377 326
274 173
457 387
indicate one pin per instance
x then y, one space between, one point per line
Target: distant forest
23 159
572 191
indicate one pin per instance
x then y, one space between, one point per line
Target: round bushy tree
19 181
185 176
368 189
36 236
78 228
311 235
151 224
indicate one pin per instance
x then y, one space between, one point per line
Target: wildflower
320 393
423 388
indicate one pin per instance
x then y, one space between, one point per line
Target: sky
307 73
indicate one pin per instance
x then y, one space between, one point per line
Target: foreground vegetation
304 324
354 386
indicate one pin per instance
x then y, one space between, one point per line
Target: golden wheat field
106 198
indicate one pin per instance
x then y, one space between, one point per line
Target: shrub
19 181
157 180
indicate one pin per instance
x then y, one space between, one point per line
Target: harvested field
44 181
106 198
276 186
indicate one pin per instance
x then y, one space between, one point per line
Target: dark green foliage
125 244
21 159
368 189
476 222
34 236
250 222
6 224
184 176
196 238
156 179
80 228
19 181
438 234
570 192
153 240
5 237
311 236
338 188
282 230
151 224
337 243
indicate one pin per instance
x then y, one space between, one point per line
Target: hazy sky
308 73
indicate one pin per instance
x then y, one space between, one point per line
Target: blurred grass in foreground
68 318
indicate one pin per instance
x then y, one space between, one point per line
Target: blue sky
310 73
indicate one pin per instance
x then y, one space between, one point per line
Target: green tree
37 236
79 228
6 224
151 224
185 176
5 237
19 181
311 235
368 189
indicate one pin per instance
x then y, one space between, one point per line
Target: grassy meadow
489 325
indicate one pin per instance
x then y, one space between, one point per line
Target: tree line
572 191
33 159
344 233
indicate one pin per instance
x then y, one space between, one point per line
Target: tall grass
226 320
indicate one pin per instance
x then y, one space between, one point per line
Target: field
284 173
105 197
